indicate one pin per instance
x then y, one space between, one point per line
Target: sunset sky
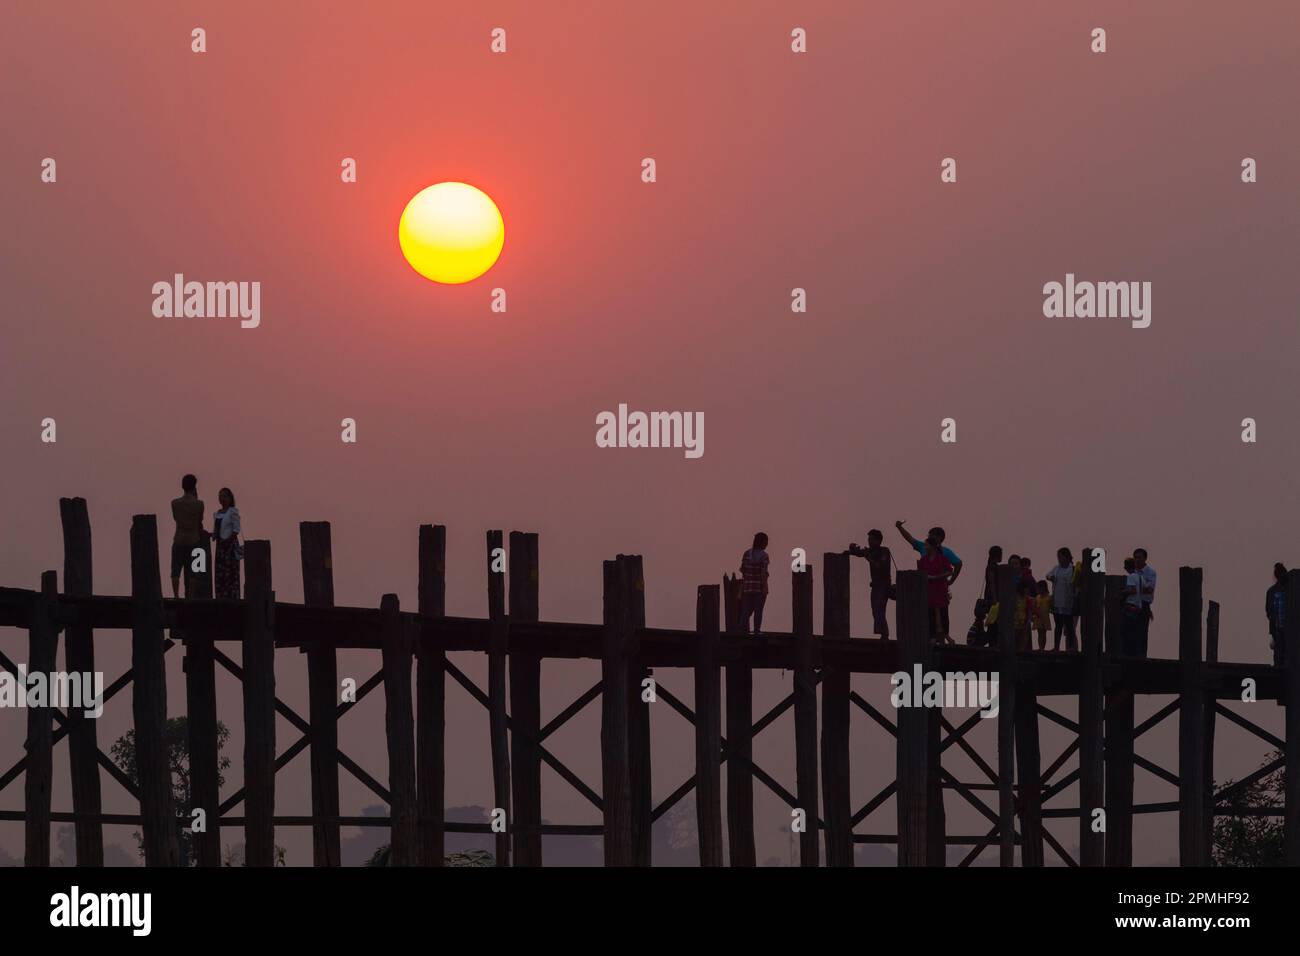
775 170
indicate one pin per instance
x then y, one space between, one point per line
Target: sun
451 232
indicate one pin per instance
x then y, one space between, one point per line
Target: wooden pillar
616 793
42 657
913 737
498 643
740 740
259 706
1029 763
1007 693
322 694
83 745
1029 775
1092 794
731 587
525 706
936 847
1119 735
708 726
1211 657
1291 700
399 725
149 697
1192 848
431 700
837 811
805 715
638 728
201 722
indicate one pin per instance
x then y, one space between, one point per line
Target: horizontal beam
297 625
887 838
451 826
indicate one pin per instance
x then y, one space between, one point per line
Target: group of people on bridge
1050 604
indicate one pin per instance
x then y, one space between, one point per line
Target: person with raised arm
939 535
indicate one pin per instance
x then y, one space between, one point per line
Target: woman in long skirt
229 551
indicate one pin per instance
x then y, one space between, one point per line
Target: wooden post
835 715
399 725
1192 848
1006 715
42 657
740 740
936 847
525 706
322 694
1291 698
1211 657
708 726
1119 738
498 643
805 715
1029 761
201 723
83 744
431 700
731 588
1092 795
912 746
149 697
259 706
638 728
615 771
1029 775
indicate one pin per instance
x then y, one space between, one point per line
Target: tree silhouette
177 740
1252 840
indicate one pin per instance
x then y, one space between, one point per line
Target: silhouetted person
939 536
187 510
880 561
1027 574
1275 608
1023 621
753 590
991 577
938 571
1064 577
1139 593
225 532
981 632
1042 614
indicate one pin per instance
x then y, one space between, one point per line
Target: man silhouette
187 510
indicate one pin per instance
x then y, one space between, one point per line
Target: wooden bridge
516 642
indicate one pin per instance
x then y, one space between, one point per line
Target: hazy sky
775 170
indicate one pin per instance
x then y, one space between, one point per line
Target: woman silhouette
225 532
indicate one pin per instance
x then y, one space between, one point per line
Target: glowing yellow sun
451 232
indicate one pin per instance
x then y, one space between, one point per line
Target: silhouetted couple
187 510
1139 593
